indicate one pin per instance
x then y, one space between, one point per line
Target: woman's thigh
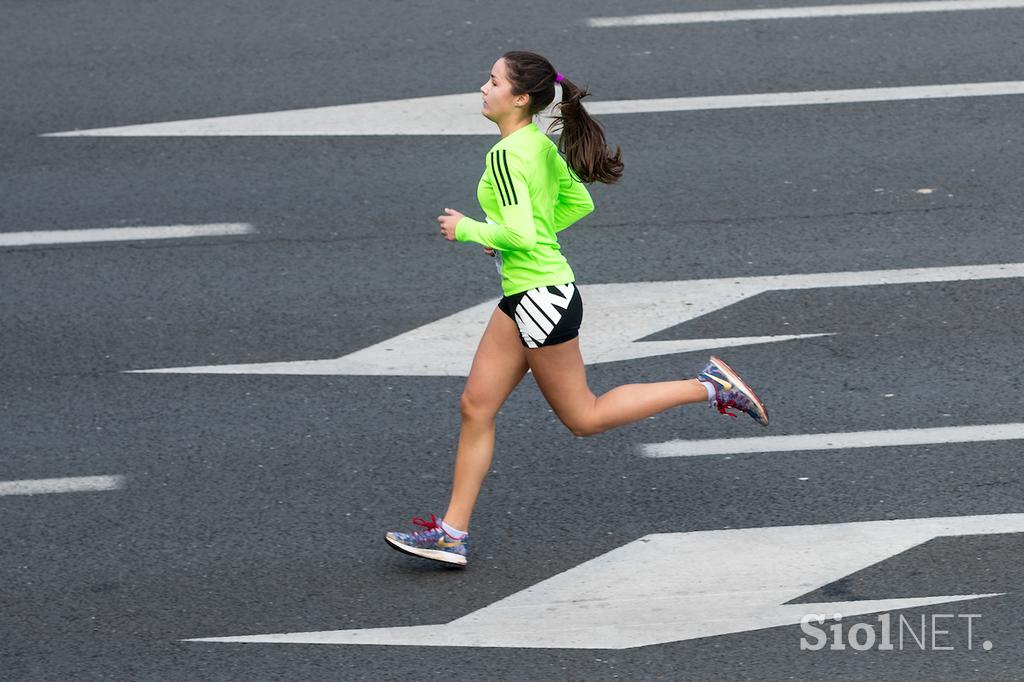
498 366
562 379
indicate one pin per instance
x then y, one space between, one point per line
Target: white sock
710 388
453 533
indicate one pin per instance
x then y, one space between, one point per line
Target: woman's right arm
516 231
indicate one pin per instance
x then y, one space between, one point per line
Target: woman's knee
477 408
583 426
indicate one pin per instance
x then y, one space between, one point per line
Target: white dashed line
119 234
836 441
61 485
812 12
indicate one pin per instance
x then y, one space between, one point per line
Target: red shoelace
427 525
723 406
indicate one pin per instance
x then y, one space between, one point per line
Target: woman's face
499 102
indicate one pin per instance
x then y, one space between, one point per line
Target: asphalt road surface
255 503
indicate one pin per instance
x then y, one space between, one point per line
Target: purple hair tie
559 77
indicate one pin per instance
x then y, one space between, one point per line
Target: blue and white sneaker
732 391
431 543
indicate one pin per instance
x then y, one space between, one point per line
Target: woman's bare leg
562 379
498 367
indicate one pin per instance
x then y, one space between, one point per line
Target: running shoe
732 392
431 543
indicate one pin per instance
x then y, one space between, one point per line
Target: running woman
529 193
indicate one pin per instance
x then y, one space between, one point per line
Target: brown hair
582 137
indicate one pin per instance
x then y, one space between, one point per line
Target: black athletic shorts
546 316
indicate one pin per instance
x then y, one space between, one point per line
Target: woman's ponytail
582 138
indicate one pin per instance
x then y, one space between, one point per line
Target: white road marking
672 587
118 234
615 316
415 353
836 441
460 114
801 12
61 485
784 99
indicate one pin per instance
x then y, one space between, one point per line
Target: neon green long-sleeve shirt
528 193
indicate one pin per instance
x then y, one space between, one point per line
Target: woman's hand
448 223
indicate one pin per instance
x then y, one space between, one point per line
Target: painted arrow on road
616 317
459 114
679 586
